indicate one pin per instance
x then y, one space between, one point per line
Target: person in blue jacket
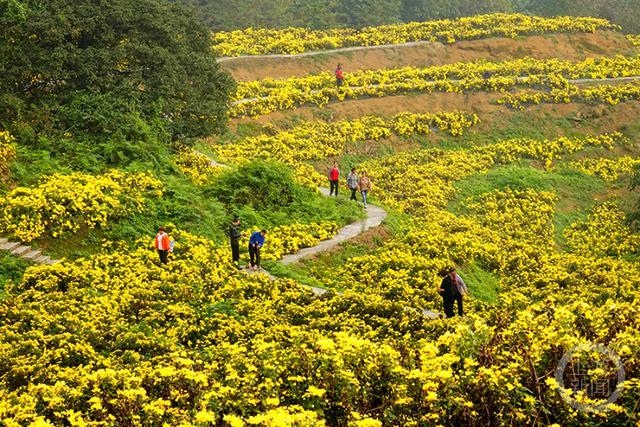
256 242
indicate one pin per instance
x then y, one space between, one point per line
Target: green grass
576 191
482 284
11 269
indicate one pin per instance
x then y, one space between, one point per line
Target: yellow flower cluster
320 140
297 40
634 39
197 166
264 96
506 210
7 154
601 94
63 204
604 233
432 186
117 339
608 169
288 239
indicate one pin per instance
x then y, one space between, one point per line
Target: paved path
25 252
375 216
434 82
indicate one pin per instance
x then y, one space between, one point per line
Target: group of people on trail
452 290
256 242
355 182
164 245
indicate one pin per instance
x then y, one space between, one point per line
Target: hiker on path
364 185
339 76
256 242
447 291
234 238
163 245
460 288
352 183
334 179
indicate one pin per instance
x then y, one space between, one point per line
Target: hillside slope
566 46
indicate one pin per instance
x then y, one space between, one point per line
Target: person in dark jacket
234 238
447 291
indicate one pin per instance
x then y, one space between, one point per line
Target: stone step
9 246
21 250
3 240
32 255
42 259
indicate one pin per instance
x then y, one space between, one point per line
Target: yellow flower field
268 95
63 204
253 41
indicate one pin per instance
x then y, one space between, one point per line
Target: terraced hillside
508 155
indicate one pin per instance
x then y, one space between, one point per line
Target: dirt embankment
566 46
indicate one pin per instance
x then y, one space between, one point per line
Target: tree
150 57
423 10
362 13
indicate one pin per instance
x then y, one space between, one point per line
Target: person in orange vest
163 245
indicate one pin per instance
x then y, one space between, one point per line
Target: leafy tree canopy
81 66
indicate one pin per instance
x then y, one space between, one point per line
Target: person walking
364 185
460 288
163 245
256 242
334 179
339 76
352 183
234 238
447 291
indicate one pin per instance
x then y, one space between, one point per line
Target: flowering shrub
7 153
320 140
602 94
197 166
288 239
608 169
64 204
297 40
407 174
605 232
634 39
264 96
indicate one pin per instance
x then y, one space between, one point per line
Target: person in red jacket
339 76
334 179
163 245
